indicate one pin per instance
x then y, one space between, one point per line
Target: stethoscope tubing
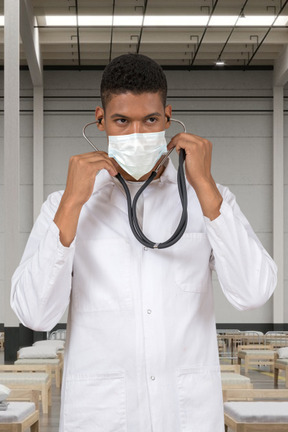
132 205
138 233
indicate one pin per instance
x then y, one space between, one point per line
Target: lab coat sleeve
41 284
246 272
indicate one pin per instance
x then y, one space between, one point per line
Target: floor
260 377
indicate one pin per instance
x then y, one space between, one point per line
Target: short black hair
135 73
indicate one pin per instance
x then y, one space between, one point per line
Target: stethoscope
132 205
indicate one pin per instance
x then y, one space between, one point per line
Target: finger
183 140
173 142
190 143
92 155
89 157
105 164
96 160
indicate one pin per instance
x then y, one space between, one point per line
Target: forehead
143 103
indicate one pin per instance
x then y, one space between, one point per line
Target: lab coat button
145 248
152 378
149 311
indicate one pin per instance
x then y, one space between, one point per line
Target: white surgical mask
137 153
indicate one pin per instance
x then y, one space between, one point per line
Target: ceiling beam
78 34
214 4
281 68
141 30
232 30
111 34
30 40
268 31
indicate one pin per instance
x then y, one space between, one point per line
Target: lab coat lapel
117 195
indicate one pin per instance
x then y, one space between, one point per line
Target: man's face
129 113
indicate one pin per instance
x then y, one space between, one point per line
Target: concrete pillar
278 201
37 151
11 151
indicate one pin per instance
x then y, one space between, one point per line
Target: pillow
37 352
4 392
283 352
254 332
58 344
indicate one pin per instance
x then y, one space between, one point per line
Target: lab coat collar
103 177
170 173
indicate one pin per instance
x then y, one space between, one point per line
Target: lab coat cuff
62 250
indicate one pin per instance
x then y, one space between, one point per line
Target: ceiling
195 46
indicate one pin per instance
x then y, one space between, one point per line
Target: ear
99 114
168 114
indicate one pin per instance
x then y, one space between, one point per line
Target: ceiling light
162 21
281 21
220 63
253 20
106 20
132 20
223 21
1 21
128 21
174 20
95 20
61 20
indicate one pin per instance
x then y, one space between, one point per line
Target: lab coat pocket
95 403
200 399
191 262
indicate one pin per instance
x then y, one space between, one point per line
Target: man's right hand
82 172
81 176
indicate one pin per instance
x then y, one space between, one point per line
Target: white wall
233 109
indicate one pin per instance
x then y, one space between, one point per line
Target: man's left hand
198 171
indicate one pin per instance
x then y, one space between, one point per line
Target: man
141 350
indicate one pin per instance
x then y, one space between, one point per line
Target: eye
152 120
121 121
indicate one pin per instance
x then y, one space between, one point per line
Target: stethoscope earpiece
99 121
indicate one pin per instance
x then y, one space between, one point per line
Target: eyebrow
123 116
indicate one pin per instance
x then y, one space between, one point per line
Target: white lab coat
141 351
